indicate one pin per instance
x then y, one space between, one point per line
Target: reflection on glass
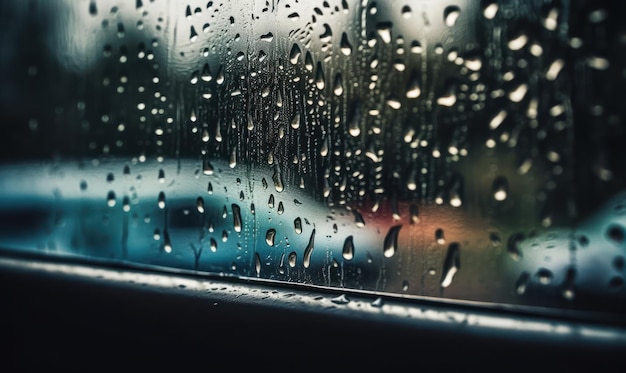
451 149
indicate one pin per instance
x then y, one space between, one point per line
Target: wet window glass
453 150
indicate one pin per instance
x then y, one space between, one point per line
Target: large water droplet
451 14
513 246
390 244
270 235
346 47
308 251
451 264
237 222
297 224
200 205
348 248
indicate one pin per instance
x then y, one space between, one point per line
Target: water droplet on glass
207 168
490 10
295 53
270 235
319 77
200 205
237 221
111 199
346 47
451 264
257 264
338 85
522 283
544 276
384 31
500 188
308 251
167 244
439 236
348 248
358 219
450 15
161 200
390 244
513 246
291 259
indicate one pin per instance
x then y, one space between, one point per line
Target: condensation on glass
467 150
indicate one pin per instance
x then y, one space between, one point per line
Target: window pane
457 150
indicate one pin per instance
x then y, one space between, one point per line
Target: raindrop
497 120
327 35
111 199
518 94
451 264
616 234
554 69
500 188
544 276
291 259
346 47
206 73
319 76
308 251
295 121
358 219
277 178
297 224
490 10
161 200
237 221
213 245
568 284
257 264
308 61
406 11
270 235
267 37
384 31
294 55
413 87
338 86
348 248
439 236
193 35
167 244
522 283
200 205
161 176
270 201
126 204
391 241
207 167
450 15
513 246
93 8
232 163
281 208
